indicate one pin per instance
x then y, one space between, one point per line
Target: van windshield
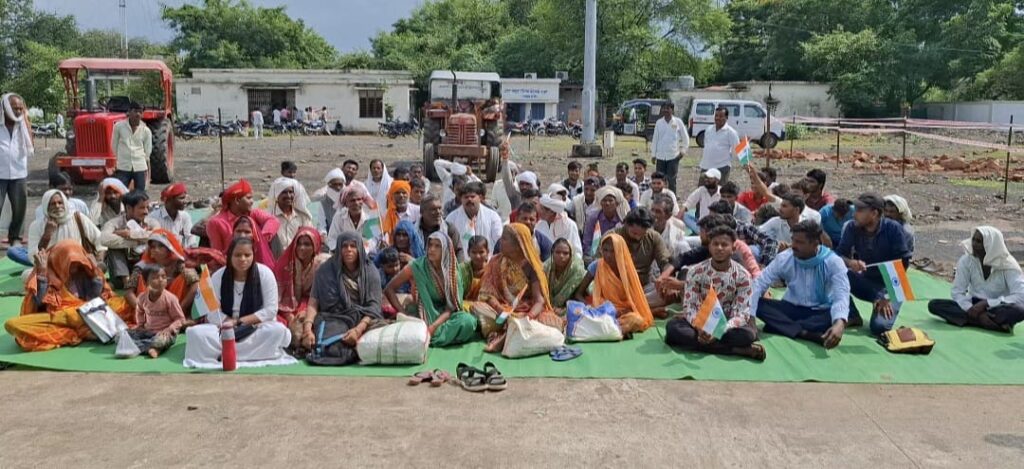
705 109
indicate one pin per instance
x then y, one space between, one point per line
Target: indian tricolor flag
711 318
206 299
743 151
896 281
596 243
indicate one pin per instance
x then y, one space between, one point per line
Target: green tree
38 81
235 34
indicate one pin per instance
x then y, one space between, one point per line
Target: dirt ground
217 420
946 205
91 420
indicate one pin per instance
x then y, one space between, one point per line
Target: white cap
713 173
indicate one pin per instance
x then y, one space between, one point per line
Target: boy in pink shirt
158 314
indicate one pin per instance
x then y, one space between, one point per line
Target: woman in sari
345 302
406 238
438 293
247 292
294 272
64 278
514 281
471 273
565 271
164 250
244 228
615 280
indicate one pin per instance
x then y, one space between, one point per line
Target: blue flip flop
565 353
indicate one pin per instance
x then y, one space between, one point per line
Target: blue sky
347 24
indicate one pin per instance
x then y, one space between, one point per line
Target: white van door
752 123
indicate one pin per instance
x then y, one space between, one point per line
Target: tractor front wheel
492 164
161 162
429 155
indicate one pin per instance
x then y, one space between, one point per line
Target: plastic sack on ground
403 343
102 321
526 338
126 347
592 324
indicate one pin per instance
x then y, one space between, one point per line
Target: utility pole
587 146
123 5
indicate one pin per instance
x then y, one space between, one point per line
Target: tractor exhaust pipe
455 90
90 94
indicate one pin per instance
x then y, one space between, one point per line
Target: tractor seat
118 103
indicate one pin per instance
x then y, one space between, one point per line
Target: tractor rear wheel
161 163
429 155
432 131
492 164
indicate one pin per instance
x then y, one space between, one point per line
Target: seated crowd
300 276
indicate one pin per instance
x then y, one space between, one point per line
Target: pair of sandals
435 378
473 379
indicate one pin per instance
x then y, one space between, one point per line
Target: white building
992 112
357 98
530 98
800 98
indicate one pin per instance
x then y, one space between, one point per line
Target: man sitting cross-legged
817 301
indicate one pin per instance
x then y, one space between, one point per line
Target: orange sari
61 324
621 286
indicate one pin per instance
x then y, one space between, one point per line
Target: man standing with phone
669 144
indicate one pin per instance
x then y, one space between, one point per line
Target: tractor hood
93 131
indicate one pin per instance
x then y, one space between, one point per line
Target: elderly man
671 229
132 141
290 207
432 219
60 223
15 150
126 237
556 225
236 202
172 215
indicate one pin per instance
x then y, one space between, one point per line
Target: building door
515 112
537 111
266 100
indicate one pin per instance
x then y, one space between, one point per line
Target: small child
158 314
473 271
289 169
389 264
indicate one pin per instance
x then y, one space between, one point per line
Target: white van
747 117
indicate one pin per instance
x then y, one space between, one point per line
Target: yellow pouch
907 340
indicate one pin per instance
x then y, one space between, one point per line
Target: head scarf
301 204
389 220
821 273
173 191
295 280
261 248
357 189
61 257
379 190
111 183
21 123
563 286
47 197
330 194
901 205
552 204
996 255
442 284
332 296
613 191
621 285
234 192
170 241
525 242
558 191
333 174
528 177
415 238
99 208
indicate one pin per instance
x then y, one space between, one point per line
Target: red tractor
467 128
88 156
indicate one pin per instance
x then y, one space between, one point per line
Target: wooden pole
220 135
791 138
839 125
903 163
1006 176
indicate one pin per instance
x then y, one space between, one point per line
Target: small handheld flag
206 300
596 243
743 151
896 281
711 318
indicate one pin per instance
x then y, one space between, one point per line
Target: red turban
234 192
173 191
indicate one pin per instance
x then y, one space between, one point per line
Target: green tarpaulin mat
960 356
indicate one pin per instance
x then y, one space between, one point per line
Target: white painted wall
993 112
534 91
336 89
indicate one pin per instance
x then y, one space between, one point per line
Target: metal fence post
1006 176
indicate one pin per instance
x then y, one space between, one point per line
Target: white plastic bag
588 324
526 338
403 343
102 321
126 347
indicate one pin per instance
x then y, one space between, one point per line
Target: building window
198 90
371 104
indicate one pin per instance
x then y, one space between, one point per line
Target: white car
747 117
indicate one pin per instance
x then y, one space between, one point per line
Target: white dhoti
264 347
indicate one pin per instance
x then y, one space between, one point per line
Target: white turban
459 169
333 174
558 190
527 176
552 204
713 173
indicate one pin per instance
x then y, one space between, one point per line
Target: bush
796 131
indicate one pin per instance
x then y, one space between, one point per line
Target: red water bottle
228 356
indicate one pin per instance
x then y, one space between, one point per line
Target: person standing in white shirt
132 143
669 144
257 123
720 141
473 218
276 116
15 150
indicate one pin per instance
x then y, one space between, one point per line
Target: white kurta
265 347
562 227
487 224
